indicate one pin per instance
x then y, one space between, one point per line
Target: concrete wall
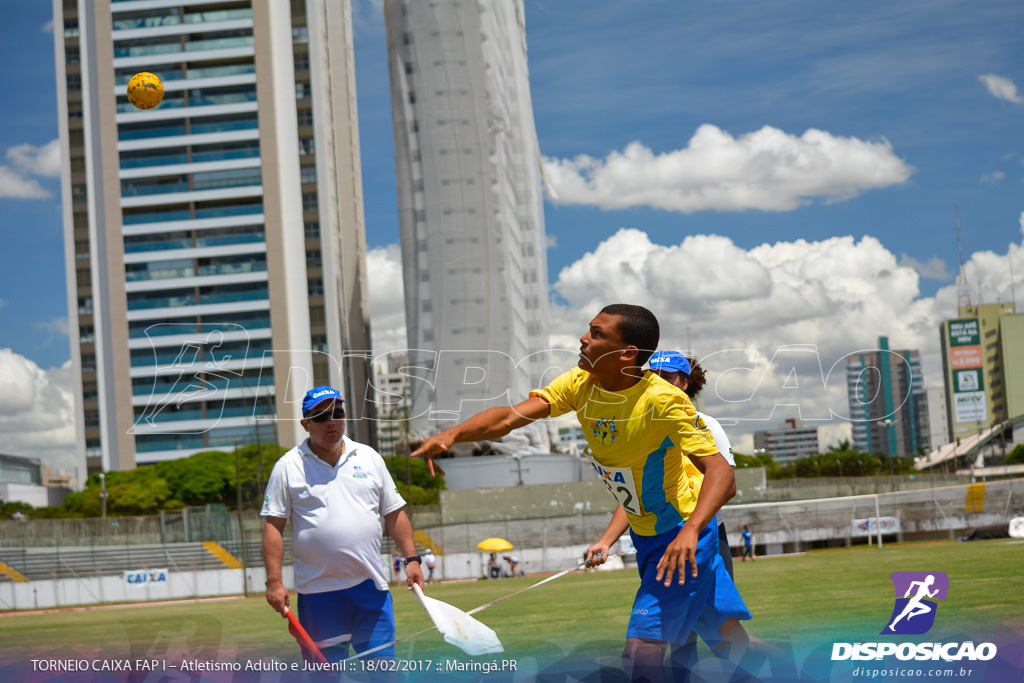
503 470
522 502
33 494
58 593
831 487
55 594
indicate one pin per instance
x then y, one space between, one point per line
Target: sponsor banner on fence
146 577
888 525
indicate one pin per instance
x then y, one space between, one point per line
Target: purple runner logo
914 612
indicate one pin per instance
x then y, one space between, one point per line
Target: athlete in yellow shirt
631 420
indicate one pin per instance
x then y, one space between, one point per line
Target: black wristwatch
414 558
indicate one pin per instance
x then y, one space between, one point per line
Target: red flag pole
305 642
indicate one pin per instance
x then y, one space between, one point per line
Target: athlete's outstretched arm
490 424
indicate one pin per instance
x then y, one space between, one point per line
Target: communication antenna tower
962 293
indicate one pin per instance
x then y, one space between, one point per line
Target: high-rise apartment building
983 367
470 204
215 245
391 386
787 442
888 400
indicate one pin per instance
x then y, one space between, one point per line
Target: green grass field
822 596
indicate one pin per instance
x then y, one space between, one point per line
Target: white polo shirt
721 440
335 514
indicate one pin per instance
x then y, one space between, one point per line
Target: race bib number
619 481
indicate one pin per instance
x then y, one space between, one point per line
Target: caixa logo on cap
916 596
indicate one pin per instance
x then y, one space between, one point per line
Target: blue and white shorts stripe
361 615
669 614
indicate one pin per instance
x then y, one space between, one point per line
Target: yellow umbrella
494 545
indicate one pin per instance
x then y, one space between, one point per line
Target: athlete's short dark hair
638 327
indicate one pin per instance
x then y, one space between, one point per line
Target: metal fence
209 523
931 512
940 512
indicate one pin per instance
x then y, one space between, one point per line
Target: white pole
878 523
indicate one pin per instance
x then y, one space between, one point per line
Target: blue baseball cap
318 395
670 361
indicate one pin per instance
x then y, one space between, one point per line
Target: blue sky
816 205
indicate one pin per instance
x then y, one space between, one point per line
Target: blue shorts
361 615
669 614
725 603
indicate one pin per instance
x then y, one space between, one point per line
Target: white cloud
47 27
934 269
367 15
767 170
754 316
37 411
387 298
29 160
13 185
993 177
42 161
58 327
1001 88
551 241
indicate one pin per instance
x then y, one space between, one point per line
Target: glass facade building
888 401
215 244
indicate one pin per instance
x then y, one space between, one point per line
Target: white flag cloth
458 628
1017 527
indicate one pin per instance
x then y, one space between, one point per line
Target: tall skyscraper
470 204
983 367
215 245
888 400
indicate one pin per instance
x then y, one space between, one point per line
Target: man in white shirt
430 562
334 491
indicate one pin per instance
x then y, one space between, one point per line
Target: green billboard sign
964 332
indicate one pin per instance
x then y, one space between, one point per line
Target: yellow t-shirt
638 438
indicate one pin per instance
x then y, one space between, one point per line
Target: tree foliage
208 477
841 460
413 480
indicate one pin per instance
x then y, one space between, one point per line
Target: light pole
241 526
103 495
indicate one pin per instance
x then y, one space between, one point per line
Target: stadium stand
58 563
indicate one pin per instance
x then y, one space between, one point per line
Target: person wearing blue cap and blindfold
687 374
719 625
335 490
